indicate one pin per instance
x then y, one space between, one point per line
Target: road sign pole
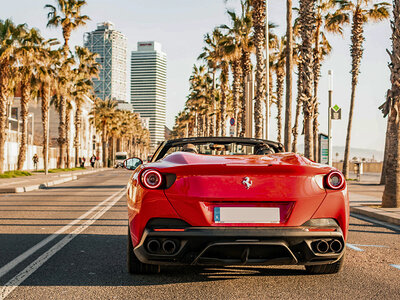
330 90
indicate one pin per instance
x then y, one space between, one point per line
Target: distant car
120 157
234 201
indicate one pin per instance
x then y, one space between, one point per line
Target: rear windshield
220 149
120 157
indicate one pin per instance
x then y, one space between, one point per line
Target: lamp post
330 90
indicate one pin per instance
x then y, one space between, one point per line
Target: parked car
231 201
120 158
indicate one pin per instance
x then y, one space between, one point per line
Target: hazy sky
179 25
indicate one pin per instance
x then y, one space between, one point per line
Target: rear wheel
327 268
135 266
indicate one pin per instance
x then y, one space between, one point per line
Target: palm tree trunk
289 70
385 156
67 140
280 77
295 129
3 113
317 73
259 39
236 90
356 55
45 94
213 124
25 96
77 144
61 132
307 12
105 146
246 67
391 194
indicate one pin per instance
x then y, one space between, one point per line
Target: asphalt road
69 242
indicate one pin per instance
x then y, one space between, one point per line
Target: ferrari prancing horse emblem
247 182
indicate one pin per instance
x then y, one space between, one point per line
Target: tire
327 268
135 266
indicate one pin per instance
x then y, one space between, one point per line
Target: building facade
111 46
149 87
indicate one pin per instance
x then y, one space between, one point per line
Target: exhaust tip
322 246
336 246
169 246
153 246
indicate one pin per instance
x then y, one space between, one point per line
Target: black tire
327 268
135 266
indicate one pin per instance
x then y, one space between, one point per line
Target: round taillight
335 180
151 179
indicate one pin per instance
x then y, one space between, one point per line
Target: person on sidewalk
35 159
93 160
83 162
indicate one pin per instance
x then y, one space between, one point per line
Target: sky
179 25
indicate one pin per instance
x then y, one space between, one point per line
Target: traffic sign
232 121
336 108
336 113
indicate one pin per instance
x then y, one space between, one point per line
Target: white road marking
29 270
351 246
395 266
12 264
376 246
374 221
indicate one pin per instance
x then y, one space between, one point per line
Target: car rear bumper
241 245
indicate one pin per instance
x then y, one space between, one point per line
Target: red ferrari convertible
231 201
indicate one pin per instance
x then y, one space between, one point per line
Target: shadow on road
99 260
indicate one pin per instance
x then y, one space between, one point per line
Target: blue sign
232 121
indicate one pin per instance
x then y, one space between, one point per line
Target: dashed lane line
36 264
12 264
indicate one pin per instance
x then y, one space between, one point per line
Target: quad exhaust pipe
153 246
166 247
169 246
336 246
323 246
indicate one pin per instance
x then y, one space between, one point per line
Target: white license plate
246 215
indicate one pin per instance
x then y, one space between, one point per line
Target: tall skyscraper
111 46
149 87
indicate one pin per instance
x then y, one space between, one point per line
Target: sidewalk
366 199
40 180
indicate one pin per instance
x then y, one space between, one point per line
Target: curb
378 214
65 178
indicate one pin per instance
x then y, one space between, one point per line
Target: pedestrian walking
93 160
35 159
83 162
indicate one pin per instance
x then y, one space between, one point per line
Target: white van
119 158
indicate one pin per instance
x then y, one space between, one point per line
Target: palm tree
307 25
68 16
27 55
86 70
102 115
391 194
289 70
323 15
361 13
258 14
46 75
10 35
279 57
233 50
65 83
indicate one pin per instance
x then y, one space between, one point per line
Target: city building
149 87
111 46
